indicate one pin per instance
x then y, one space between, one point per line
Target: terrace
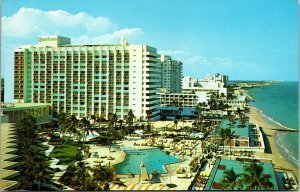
247 136
214 181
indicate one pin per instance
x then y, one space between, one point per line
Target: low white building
212 83
234 104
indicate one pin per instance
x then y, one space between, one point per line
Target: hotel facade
195 91
212 83
89 79
171 74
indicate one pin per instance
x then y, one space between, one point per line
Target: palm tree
129 119
200 120
71 124
112 120
223 135
32 164
239 112
41 175
85 126
176 123
230 180
81 179
230 135
93 118
102 175
222 95
61 122
255 178
100 120
121 124
149 115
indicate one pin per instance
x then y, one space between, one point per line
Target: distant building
212 83
234 104
171 74
2 90
89 79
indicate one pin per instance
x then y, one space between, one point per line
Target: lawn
64 152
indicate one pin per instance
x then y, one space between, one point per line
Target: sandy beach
272 151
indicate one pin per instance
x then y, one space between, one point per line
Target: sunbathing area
126 155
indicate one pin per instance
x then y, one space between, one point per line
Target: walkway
54 165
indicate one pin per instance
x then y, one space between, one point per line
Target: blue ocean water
280 105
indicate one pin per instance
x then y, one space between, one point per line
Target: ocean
280 107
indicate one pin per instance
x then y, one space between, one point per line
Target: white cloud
81 27
29 21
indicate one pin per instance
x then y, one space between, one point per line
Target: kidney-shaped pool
153 159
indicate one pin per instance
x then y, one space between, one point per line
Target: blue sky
245 39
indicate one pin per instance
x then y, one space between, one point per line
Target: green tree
230 180
81 179
112 120
223 135
129 120
85 126
200 120
71 124
175 123
255 178
93 118
230 135
100 120
61 123
149 115
103 175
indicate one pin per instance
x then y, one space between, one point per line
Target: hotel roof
237 127
214 181
18 106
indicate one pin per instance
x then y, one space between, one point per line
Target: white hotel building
195 91
89 79
171 75
212 83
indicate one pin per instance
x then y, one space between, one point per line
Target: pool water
153 159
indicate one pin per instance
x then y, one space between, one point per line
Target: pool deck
104 152
119 156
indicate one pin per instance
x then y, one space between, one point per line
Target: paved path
54 165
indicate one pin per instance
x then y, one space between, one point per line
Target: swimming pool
152 158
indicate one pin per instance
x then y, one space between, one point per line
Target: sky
245 39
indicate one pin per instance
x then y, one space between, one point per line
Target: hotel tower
89 79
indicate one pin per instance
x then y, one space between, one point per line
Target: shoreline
276 125
272 151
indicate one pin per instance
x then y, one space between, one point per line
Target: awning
139 186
